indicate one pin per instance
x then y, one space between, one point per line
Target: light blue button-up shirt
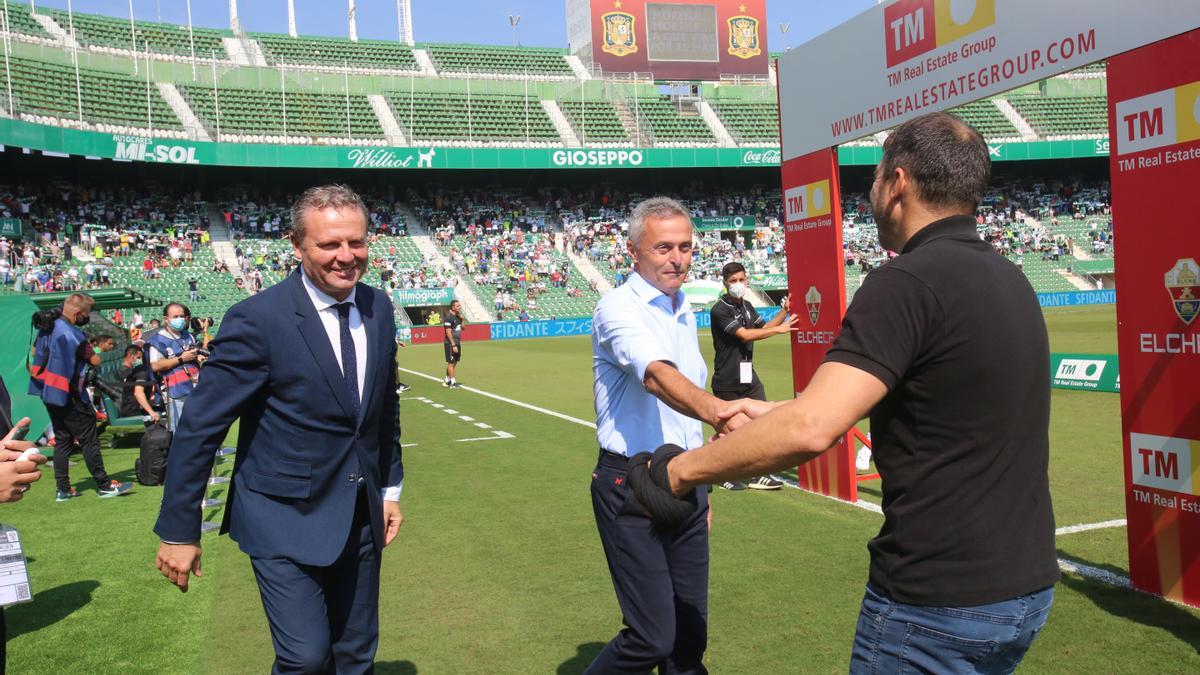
634 326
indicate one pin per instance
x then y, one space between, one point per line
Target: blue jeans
893 637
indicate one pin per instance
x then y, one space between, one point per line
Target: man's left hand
392 519
785 304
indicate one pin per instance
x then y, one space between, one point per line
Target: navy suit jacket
302 451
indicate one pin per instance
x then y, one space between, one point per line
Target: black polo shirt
728 316
961 440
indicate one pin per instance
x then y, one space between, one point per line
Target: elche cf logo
812 300
1183 284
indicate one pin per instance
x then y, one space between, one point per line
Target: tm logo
1156 120
1163 462
1087 370
913 27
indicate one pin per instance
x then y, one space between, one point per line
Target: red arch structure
910 57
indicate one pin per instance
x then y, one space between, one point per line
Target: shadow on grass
1140 608
396 668
49 607
584 655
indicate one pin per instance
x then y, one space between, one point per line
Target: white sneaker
445 383
862 463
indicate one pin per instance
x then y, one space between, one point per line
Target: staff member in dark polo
649 390
452 344
736 326
946 348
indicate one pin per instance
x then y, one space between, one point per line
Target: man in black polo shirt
946 348
452 344
736 325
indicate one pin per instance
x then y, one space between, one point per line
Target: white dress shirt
634 326
326 306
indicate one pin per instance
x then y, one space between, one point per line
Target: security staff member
649 390
174 358
946 348
736 325
452 344
57 378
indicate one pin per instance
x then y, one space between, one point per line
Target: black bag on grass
151 464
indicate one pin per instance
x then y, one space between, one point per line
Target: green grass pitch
498 568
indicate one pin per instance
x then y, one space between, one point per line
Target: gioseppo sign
597 158
908 57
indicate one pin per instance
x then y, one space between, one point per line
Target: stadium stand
987 118
1053 116
21 21
750 122
371 55
106 33
291 117
535 62
594 121
45 93
460 119
668 126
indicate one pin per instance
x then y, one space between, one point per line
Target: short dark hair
167 307
731 269
132 349
946 158
335 196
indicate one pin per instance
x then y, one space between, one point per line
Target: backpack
151 464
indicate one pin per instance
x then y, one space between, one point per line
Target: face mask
738 290
178 323
82 319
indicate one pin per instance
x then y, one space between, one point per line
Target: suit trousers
325 619
661 580
72 423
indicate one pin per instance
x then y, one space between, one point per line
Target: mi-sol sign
909 57
139 149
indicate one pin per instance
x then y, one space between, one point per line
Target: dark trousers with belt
661 580
74 423
325 619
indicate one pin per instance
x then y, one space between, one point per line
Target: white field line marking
449 411
466 418
862 503
483 425
409 445
520 404
437 405
1073 567
1084 527
499 435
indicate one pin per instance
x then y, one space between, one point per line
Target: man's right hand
788 325
455 349
188 356
177 561
748 407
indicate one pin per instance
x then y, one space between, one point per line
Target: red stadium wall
615 53
423 335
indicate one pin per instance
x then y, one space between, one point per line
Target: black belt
613 460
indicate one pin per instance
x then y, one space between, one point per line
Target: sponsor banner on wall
1073 298
680 40
723 223
908 57
1088 372
471 332
422 297
173 151
10 227
769 282
1154 122
817 286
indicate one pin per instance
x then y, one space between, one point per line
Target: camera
43 320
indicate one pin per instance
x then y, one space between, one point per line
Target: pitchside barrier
905 58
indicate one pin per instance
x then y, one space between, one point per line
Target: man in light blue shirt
649 390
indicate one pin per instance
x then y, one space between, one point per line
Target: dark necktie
349 360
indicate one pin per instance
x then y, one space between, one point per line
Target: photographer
136 386
56 376
91 379
175 359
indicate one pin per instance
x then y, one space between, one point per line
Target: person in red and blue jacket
56 377
175 360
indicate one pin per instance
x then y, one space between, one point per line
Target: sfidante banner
817 286
908 57
1154 122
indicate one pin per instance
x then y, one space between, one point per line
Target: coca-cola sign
768 157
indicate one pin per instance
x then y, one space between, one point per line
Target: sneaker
765 483
401 388
61 496
115 489
862 461
456 384
445 383
734 485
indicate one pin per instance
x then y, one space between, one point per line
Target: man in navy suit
308 367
